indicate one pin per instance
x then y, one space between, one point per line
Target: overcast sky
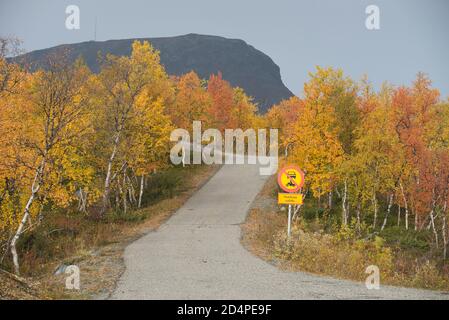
297 35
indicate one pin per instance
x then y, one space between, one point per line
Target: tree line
73 139
384 156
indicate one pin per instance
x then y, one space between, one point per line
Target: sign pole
289 228
291 180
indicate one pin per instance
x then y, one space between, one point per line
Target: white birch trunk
405 205
375 210
125 191
107 181
432 220
416 220
359 212
344 207
26 214
142 178
390 204
443 231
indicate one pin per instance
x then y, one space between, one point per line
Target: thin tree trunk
117 199
142 178
26 214
119 196
416 219
433 228
399 215
295 211
443 231
15 257
375 209
131 190
125 191
405 205
330 200
390 204
344 207
337 192
107 181
298 207
432 220
82 200
359 209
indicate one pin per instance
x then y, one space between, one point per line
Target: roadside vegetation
319 245
95 245
84 159
83 154
377 181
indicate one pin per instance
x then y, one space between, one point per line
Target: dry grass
262 222
16 288
339 254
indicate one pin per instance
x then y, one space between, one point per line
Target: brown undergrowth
335 251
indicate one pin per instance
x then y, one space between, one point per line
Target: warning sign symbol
291 178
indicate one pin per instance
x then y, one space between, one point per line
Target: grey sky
297 35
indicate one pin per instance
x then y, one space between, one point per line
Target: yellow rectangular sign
289 198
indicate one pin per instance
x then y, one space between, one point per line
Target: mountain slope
241 64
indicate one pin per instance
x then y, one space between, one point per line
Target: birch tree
120 84
55 104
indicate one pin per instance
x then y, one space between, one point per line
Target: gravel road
197 254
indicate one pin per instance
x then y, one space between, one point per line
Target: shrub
130 216
407 239
161 185
427 276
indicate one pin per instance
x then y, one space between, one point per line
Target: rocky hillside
241 64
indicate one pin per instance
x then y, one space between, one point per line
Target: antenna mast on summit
95 29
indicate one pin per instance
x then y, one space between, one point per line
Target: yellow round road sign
290 178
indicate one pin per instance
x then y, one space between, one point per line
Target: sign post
289 223
291 180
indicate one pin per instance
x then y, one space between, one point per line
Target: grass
319 245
